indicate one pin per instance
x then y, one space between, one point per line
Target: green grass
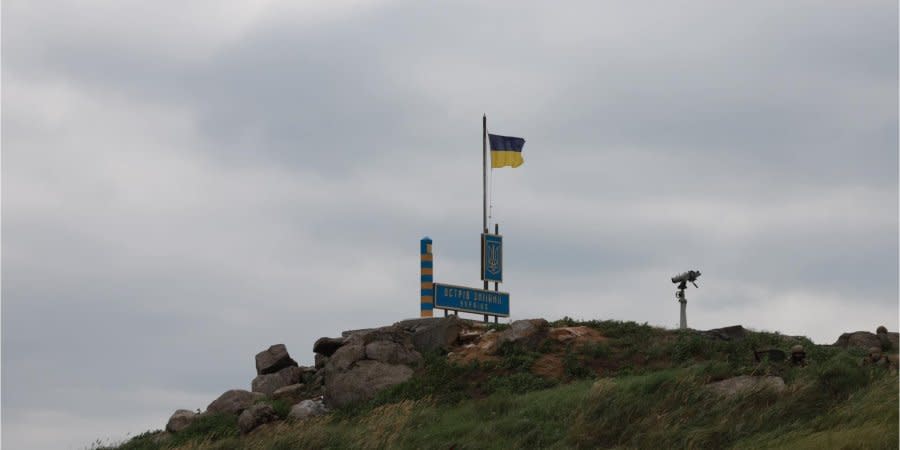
653 395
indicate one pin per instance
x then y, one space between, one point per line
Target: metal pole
484 224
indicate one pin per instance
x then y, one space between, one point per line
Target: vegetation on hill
639 387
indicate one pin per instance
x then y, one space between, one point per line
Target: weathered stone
430 334
255 416
747 384
234 401
363 381
525 333
273 360
732 333
860 339
268 383
326 346
307 408
348 333
181 419
321 360
390 333
345 357
392 353
291 394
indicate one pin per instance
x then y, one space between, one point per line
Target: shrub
841 375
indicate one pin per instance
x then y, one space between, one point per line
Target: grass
652 393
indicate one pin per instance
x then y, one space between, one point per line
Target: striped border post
427 268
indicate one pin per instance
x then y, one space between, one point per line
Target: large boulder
307 408
889 341
431 334
363 381
326 346
345 357
273 360
389 333
291 394
181 419
527 333
392 353
268 383
234 401
860 339
255 416
745 384
732 333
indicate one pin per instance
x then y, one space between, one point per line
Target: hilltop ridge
453 383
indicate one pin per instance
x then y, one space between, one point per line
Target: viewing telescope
689 276
683 279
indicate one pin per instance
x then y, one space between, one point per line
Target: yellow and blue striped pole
427 268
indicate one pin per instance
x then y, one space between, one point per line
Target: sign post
426 268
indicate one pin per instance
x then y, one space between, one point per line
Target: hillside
447 383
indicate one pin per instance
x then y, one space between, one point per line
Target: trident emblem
493 258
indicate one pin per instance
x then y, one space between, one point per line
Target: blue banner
478 301
492 257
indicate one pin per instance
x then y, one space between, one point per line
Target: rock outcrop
432 334
291 394
268 383
234 401
859 339
527 333
326 346
362 381
306 409
181 419
367 362
255 416
732 333
273 360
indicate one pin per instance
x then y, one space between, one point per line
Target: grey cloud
183 188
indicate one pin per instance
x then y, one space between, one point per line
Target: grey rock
255 416
746 384
268 383
389 333
430 334
321 360
345 357
392 353
860 339
326 346
307 408
363 381
732 333
181 419
234 401
273 360
291 394
349 333
527 333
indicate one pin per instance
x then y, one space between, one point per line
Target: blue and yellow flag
506 151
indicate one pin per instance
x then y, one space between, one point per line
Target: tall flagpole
484 179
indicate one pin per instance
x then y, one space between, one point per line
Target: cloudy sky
186 183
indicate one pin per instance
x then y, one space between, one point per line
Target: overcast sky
184 185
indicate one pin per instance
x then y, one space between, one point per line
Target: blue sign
479 301
492 257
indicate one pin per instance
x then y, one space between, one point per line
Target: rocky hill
451 383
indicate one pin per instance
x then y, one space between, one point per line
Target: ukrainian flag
506 151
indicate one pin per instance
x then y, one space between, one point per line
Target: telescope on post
682 280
